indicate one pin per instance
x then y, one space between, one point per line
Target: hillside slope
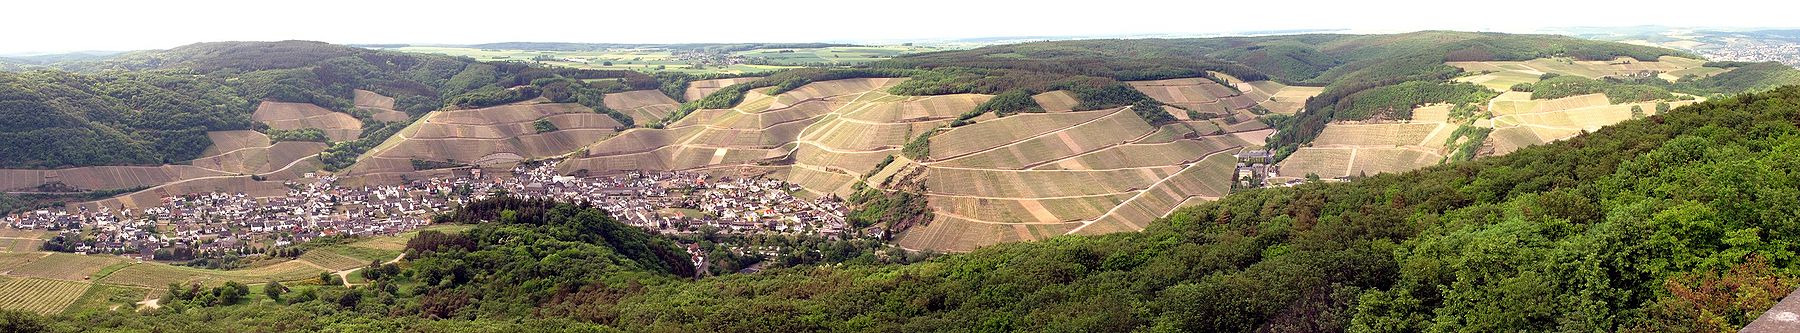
1680 222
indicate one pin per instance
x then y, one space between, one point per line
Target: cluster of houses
1754 50
1254 168
201 223
682 202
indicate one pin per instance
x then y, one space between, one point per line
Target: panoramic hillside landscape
1433 179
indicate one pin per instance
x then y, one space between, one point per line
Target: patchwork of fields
497 135
1512 120
1502 75
650 59
1021 177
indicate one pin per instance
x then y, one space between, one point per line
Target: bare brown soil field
101 177
1277 97
699 89
1374 134
370 99
337 126
1209 178
1114 129
381 106
1056 101
644 106
1150 154
504 114
1431 113
1325 162
988 134
1391 160
832 88
855 163
1196 94
1056 210
225 141
884 108
851 135
260 160
947 233
499 135
1041 183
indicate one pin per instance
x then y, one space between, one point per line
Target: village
668 202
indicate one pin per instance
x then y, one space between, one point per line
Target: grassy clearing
105 297
397 243
328 259
158 275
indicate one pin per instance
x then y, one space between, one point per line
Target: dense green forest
1679 222
1397 101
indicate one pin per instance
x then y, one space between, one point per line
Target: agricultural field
43 296
1515 119
1376 135
1274 96
642 60
1195 94
1056 101
829 132
227 141
68 267
644 106
1046 172
497 135
259 160
1502 75
831 56
382 107
659 59
101 177
13 241
1324 162
701 88
338 126
158 275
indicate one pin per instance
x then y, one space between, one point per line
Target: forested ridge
155 107
1680 222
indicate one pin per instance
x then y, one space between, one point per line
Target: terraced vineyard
487 136
1514 118
292 116
1022 177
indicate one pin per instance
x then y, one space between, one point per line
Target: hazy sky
69 25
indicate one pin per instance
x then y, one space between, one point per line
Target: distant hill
155 107
712 47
